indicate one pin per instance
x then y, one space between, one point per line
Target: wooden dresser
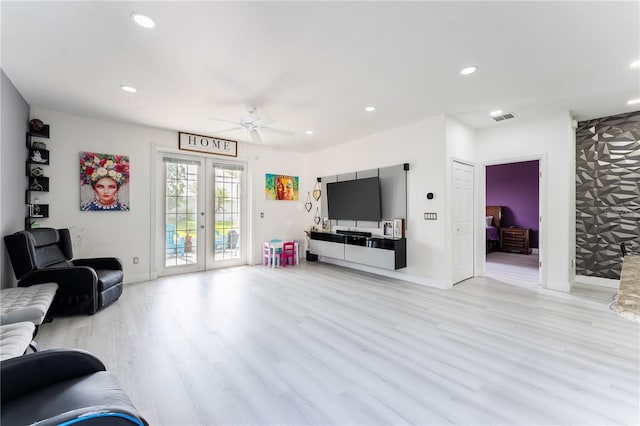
515 240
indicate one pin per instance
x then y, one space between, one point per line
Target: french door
201 220
227 215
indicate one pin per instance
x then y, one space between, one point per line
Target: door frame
481 251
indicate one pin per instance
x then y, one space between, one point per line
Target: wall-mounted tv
357 199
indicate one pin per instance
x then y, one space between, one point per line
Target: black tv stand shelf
354 233
360 247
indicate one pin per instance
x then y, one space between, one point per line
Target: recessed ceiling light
635 64
143 20
309 132
370 108
468 70
496 113
128 89
633 101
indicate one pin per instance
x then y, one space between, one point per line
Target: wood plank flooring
513 268
522 270
319 344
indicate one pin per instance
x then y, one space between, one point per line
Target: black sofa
63 386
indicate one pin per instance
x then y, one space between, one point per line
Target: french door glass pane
181 213
227 213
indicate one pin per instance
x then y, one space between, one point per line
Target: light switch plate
431 216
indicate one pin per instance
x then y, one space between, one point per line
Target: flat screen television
357 199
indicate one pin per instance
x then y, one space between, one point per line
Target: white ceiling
316 65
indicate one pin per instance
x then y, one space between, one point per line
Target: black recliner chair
42 255
63 386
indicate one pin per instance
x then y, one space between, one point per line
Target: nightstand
515 240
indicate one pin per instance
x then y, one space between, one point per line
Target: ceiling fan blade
261 122
227 130
255 136
224 121
277 131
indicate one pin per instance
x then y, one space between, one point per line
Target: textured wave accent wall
607 193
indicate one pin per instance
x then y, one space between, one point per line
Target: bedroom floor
513 268
522 271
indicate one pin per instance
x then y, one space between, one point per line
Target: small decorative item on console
398 228
387 228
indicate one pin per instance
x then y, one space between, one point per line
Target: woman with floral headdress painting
106 174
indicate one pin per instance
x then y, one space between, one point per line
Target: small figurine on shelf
38 128
35 185
34 210
36 125
37 157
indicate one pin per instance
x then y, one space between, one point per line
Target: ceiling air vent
503 117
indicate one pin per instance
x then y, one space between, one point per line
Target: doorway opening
512 222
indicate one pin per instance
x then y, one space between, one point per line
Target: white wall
14 120
128 234
422 145
428 146
286 220
552 139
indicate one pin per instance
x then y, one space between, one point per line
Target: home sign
208 144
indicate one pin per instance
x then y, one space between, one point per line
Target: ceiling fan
253 125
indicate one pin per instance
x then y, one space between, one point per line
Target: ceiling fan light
468 70
143 20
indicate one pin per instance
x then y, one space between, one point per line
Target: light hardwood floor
513 268
323 345
522 270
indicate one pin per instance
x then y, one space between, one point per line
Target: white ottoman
26 303
15 339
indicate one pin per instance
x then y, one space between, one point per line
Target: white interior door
462 221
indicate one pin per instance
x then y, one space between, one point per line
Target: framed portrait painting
104 182
281 187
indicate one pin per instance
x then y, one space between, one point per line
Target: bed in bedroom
493 217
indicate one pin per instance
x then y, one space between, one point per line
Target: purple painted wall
515 187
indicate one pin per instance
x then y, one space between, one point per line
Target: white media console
362 248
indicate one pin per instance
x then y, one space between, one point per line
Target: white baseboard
602 282
560 286
136 278
391 274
